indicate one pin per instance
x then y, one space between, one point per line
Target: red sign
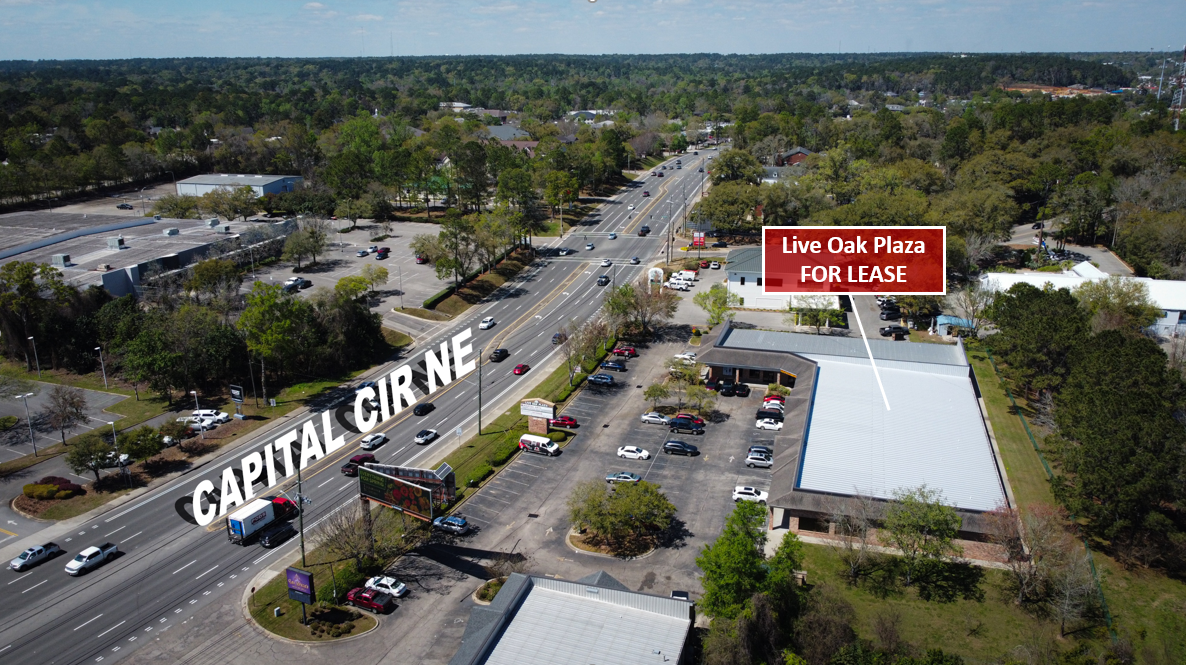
697 238
902 260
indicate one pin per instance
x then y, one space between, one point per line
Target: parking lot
14 442
418 281
524 507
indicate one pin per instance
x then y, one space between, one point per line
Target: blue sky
59 29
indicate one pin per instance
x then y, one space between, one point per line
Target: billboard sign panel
396 493
237 394
698 238
300 585
537 408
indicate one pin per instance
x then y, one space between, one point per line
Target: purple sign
300 585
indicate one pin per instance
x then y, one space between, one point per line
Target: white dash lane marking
110 629
116 531
200 576
185 566
88 622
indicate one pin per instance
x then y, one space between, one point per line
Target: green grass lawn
978 631
420 312
275 594
473 292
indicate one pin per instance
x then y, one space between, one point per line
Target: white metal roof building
262 184
1167 294
838 437
595 620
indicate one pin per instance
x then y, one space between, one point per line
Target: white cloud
367 17
314 5
495 9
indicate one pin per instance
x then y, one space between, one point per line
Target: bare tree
855 518
979 247
12 386
1072 590
344 534
1037 546
66 408
506 563
972 302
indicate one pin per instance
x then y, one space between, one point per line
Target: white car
605 263
631 207
714 265
425 436
759 460
487 323
676 286
388 585
633 452
768 423
372 441
742 493
564 251
690 357
588 245
655 418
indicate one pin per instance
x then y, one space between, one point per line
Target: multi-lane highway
170 568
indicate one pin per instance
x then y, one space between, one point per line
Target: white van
686 275
540 445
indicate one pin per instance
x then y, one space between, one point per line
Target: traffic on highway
162 556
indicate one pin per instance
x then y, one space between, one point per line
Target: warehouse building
591 621
262 184
839 438
1169 295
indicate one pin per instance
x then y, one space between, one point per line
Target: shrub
56 481
558 436
437 299
380 238
7 422
62 495
479 474
504 451
695 332
40 492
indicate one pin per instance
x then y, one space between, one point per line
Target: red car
696 419
645 193
351 468
421 259
628 351
284 508
521 369
775 398
371 600
704 264
563 421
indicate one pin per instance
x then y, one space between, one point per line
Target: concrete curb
18 511
246 609
567 541
474 596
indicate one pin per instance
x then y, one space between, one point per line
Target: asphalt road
170 570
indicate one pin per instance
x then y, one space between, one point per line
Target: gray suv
685 425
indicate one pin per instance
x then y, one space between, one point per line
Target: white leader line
870 352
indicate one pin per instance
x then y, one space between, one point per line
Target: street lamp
102 364
29 420
201 425
481 350
35 357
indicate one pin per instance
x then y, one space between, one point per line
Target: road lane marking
88 622
108 630
133 536
331 479
34 586
200 576
262 558
119 529
19 579
185 566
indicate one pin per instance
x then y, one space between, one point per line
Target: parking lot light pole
481 350
35 356
102 364
29 420
201 427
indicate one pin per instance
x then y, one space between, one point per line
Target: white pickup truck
92 557
34 556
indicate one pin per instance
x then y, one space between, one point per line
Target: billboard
402 495
300 585
537 408
237 394
698 238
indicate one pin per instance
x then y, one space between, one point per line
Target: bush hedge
63 484
437 299
479 474
558 436
7 422
40 492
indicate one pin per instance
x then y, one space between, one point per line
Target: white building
744 270
262 184
1167 294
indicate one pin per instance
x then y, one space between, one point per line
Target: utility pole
481 350
35 356
400 272
301 517
102 365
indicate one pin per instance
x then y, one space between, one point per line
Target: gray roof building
746 259
507 133
262 184
839 438
595 620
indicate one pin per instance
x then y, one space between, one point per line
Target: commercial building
1169 295
115 252
849 431
595 620
262 184
743 268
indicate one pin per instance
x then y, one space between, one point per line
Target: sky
65 29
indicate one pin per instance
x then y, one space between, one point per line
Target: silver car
655 418
759 460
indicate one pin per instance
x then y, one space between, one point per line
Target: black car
614 365
886 331
643 230
603 280
125 206
680 448
422 409
720 244
1038 225
559 338
762 450
727 388
763 414
499 355
685 425
277 534
890 314
742 390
